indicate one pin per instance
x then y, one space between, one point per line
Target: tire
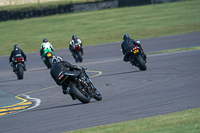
97 95
81 96
80 58
49 63
141 63
20 72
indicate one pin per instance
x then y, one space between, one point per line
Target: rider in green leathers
45 47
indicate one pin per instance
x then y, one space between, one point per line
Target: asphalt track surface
170 84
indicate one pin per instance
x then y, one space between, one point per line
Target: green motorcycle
47 58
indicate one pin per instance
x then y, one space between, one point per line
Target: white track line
37 100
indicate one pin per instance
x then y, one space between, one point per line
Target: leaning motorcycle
19 67
137 57
77 54
47 58
79 85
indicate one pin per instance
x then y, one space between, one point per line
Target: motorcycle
47 59
79 85
77 54
137 57
19 67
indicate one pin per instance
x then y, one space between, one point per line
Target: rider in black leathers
127 46
60 67
17 53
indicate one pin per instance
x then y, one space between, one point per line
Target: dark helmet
126 36
74 37
45 40
16 46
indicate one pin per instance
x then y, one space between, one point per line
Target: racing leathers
17 53
60 67
127 45
72 46
45 47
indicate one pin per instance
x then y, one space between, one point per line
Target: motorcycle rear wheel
80 95
80 58
49 63
141 63
20 72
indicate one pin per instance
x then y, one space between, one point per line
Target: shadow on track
3 81
42 69
120 73
63 106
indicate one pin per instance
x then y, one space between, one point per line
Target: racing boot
145 58
65 91
24 66
14 69
127 59
72 96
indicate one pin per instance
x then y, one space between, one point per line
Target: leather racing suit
17 53
127 45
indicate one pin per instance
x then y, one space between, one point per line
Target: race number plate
48 55
135 51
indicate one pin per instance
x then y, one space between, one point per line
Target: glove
79 67
82 68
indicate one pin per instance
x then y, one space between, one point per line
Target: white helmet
56 59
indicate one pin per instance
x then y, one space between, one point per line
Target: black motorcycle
79 85
48 59
137 57
19 67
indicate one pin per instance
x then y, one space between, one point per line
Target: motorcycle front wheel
81 95
97 95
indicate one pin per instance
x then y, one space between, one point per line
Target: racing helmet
74 37
56 59
126 36
45 40
16 46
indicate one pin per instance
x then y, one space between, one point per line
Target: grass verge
175 50
104 26
187 121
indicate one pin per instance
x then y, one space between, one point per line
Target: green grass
187 121
104 26
174 50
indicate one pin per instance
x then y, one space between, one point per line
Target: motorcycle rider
61 66
17 53
127 46
45 45
73 42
